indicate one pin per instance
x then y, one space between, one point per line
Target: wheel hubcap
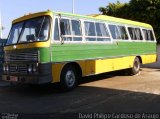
136 66
70 78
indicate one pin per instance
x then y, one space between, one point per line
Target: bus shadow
152 66
49 99
82 99
97 99
47 89
102 76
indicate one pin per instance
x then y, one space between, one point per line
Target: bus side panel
100 58
107 65
149 58
77 52
97 66
57 68
56 71
91 67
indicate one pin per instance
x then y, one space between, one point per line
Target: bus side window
114 32
66 29
138 34
56 30
145 34
123 32
90 31
150 35
102 32
66 24
132 33
76 30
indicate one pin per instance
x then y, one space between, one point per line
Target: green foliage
114 9
147 11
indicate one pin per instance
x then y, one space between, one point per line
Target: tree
114 9
147 11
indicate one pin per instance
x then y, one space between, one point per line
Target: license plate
13 78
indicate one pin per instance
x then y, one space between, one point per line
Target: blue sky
11 9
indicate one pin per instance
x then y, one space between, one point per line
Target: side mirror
31 37
62 27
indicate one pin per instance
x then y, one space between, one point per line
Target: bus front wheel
69 78
136 66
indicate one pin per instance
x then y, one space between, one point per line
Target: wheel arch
76 66
140 59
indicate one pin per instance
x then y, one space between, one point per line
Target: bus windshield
36 29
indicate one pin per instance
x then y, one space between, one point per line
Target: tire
69 78
136 67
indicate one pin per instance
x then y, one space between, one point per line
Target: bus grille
21 57
18 68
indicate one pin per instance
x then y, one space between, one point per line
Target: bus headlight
29 68
6 68
34 68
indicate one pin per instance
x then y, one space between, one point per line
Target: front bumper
42 76
28 79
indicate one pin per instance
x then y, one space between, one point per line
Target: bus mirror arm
61 25
62 39
62 29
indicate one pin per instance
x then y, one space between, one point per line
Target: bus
57 47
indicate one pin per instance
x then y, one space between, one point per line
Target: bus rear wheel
69 78
136 67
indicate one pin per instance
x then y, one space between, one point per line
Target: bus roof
93 17
107 18
120 20
32 15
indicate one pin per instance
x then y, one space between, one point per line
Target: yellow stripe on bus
98 66
33 15
149 58
28 45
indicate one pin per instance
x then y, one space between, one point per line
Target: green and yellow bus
56 47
